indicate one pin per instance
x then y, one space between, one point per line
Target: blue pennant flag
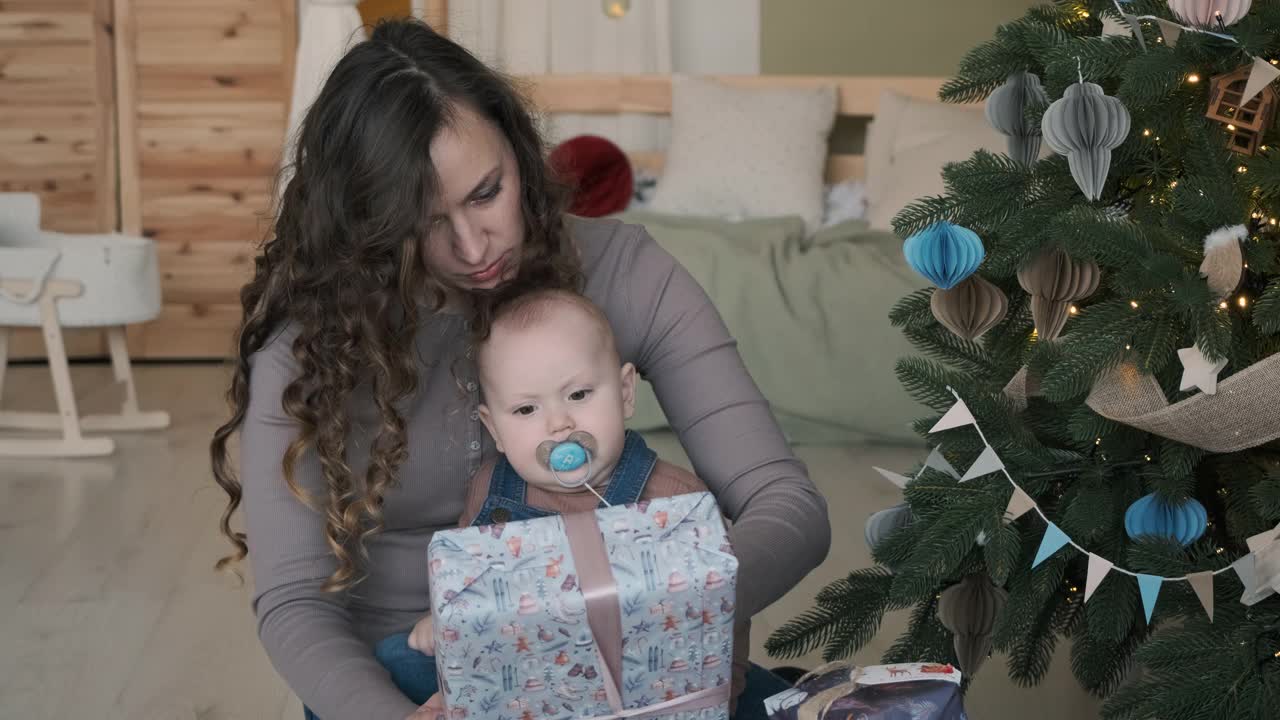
1150 587
1054 539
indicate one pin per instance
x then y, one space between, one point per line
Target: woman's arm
780 527
306 632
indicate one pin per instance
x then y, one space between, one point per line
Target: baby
550 373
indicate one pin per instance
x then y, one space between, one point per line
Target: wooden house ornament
1248 122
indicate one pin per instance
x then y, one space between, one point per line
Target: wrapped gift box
514 638
840 691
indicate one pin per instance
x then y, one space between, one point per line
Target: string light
1193 78
1231 127
1147 457
1173 184
1097 441
1084 14
1133 304
1073 309
1272 221
1128 347
1242 301
1146 132
1222 305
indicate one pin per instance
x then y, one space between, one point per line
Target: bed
789 233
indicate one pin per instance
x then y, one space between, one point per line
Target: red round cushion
599 172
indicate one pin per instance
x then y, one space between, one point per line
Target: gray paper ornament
1086 125
1006 112
881 524
969 609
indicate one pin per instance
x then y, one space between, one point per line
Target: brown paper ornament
1223 266
970 308
969 609
1054 281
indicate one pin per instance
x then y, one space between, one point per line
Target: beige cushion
739 153
908 143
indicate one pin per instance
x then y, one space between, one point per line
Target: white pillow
908 143
741 153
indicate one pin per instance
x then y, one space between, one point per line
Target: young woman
419 184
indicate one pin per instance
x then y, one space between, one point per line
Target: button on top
475 415
471 386
475 444
501 515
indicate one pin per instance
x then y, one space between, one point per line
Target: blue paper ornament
1150 516
944 253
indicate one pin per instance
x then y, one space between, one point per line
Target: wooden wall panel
206 99
57 125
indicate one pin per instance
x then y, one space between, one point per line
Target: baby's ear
628 390
487 419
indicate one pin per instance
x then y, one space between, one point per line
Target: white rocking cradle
53 281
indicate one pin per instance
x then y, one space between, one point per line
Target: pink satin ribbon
586 544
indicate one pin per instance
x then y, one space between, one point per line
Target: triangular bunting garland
987 463
957 416
1053 539
1253 592
1261 75
938 461
893 477
1019 504
1150 587
1098 569
1202 583
1171 31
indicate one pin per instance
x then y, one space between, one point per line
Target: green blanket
811 319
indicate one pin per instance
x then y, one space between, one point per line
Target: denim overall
415 673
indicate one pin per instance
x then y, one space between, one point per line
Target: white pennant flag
1019 504
987 463
1170 30
1253 593
1261 75
957 416
1262 539
939 462
1098 569
893 477
1202 583
1136 26
1112 26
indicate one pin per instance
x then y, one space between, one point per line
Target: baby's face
551 379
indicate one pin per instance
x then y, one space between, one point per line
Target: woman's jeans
415 675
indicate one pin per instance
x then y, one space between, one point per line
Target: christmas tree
1100 348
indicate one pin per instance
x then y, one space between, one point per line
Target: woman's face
477 225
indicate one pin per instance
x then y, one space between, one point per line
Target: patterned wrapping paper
905 691
511 632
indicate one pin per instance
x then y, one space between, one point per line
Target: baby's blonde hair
532 308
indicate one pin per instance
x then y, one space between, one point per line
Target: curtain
573 36
329 29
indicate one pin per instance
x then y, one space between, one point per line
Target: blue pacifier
567 456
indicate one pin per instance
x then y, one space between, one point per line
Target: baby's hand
432 709
422 638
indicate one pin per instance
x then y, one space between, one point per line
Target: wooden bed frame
651 94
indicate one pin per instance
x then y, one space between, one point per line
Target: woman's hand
422 638
432 709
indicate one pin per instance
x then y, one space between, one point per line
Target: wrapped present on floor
842 691
624 612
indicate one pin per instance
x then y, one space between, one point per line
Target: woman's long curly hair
344 264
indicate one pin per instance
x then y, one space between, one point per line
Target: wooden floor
109 607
